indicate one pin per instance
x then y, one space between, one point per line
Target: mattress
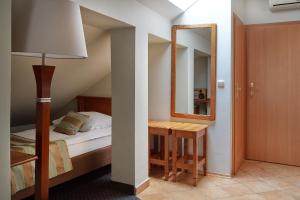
88 146
78 144
70 139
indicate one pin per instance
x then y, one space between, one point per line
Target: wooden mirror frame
212 115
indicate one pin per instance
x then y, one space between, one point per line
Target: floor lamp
46 29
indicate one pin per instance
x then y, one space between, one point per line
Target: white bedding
78 144
70 139
88 146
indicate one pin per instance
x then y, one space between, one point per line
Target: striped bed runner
23 176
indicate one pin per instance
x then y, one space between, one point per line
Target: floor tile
276 195
277 183
154 197
213 192
246 197
293 180
259 186
293 192
190 195
255 181
236 190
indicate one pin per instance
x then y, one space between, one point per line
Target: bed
87 154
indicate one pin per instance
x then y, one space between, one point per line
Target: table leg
195 161
166 156
205 152
174 156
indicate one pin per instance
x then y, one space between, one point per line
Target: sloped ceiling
71 77
153 39
162 7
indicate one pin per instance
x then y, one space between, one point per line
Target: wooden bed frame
87 162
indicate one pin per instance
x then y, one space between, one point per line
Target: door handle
252 89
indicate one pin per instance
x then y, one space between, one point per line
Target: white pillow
95 121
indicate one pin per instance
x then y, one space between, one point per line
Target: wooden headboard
98 104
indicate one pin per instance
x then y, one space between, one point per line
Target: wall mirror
194 71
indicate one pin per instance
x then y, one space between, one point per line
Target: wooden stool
189 131
162 130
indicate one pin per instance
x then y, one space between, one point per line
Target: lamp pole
43 76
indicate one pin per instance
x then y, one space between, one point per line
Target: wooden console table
179 131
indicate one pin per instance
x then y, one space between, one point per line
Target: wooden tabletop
189 127
19 158
179 126
161 124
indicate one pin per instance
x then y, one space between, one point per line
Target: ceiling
98 20
153 39
198 53
162 7
204 32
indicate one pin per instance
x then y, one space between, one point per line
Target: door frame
234 169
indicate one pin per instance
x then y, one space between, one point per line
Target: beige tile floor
254 181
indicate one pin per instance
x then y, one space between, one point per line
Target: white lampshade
50 27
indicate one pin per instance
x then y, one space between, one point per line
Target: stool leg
174 157
162 147
186 151
166 156
195 161
155 140
179 147
205 152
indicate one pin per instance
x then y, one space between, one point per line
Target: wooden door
273 97
239 89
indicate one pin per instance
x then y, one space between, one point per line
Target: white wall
182 80
219 134
101 89
145 21
201 72
141 106
219 139
258 12
5 66
123 109
190 39
159 68
238 7
133 13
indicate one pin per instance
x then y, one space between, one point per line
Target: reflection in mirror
194 73
201 83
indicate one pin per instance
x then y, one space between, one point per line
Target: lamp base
43 76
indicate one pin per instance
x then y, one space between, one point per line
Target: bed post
43 75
